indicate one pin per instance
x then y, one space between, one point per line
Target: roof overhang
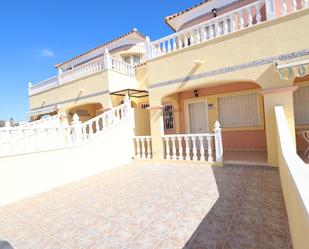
178 20
132 93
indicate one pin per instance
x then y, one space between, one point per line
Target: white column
59 76
148 48
29 88
77 130
106 59
218 142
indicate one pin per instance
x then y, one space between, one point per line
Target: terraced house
229 85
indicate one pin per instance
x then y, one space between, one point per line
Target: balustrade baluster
258 13
169 48
203 34
241 19
143 148
97 125
202 149
250 16
225 26
198 37
294 5
194 150
305 4
211 31
187 149
217 29
167 148
284 8
138 151
148 148
185 41
90 129
232 22
179 43
210 159
174 148
174 43
163 47
180 148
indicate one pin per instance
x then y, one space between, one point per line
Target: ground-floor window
168 117
301 105
239 111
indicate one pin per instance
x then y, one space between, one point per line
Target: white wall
26 175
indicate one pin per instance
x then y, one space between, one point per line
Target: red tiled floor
155 206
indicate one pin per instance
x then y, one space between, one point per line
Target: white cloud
47 52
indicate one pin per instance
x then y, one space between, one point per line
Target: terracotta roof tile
102 45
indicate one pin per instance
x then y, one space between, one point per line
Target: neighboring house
2 123
231 61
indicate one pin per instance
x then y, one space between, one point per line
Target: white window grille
301 105
239 111
168 117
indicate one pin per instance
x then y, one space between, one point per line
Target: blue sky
37 34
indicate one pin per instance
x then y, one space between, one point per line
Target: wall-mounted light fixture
195 93
198 62
81 90
214 12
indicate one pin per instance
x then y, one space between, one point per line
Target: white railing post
218 142
187 149
270 9
77 130
29 88
106 59
143 148
59 76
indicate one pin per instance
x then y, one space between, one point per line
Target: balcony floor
146 205
258 158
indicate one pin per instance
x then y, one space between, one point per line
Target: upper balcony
101 64
230 22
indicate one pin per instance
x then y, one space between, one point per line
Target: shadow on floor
250 211
5 245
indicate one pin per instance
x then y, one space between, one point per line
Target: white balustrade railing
197 147
19 140
230 22
101 123
143 147
48 121
122 66
43 85
84 70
